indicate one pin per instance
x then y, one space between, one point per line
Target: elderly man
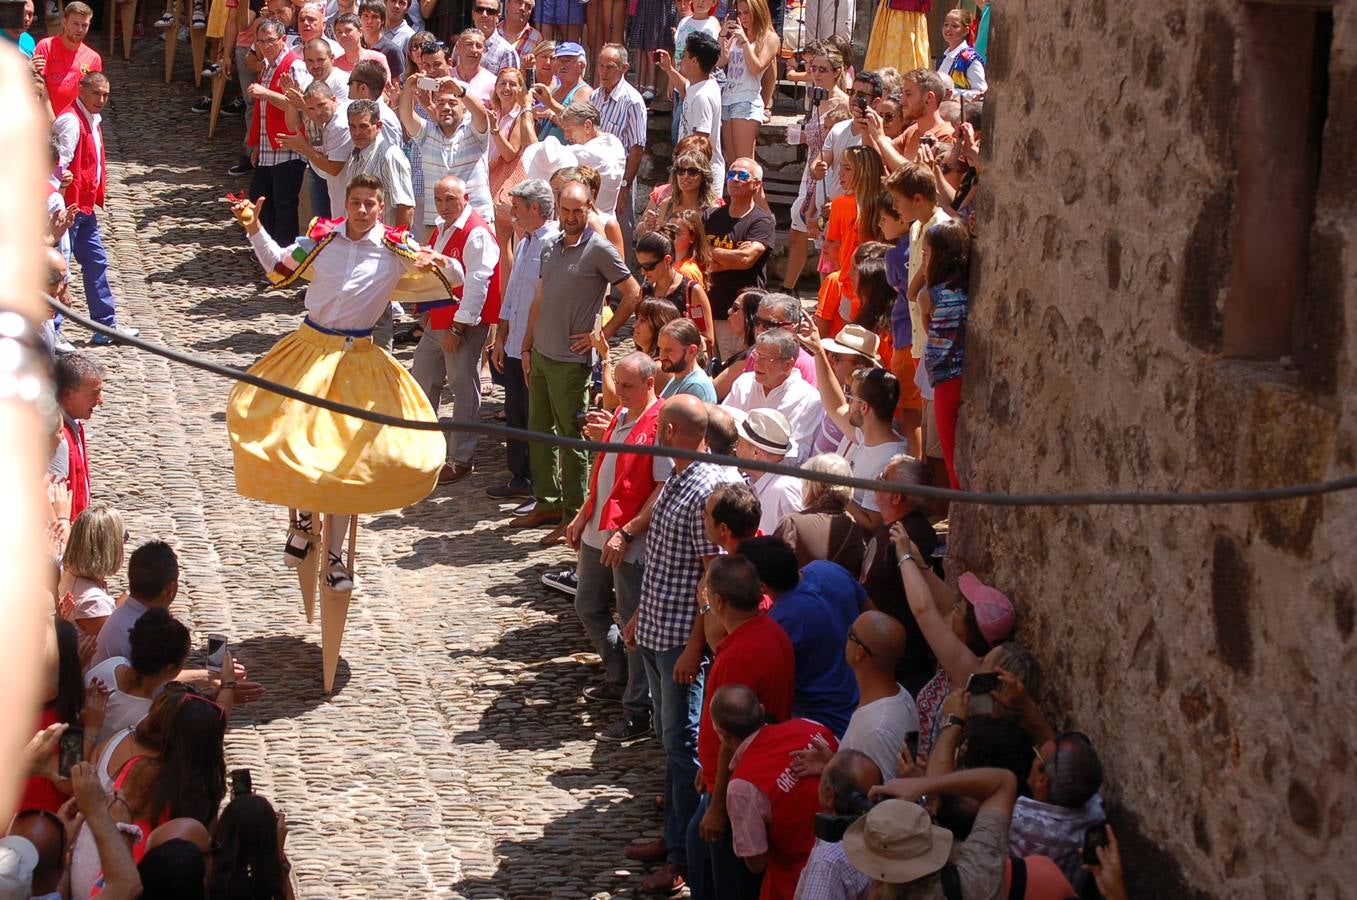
668 631
374 155
741 234
278 171
80 152
498 52
454 338
311 27
765 437
828 875
323 139
609 533
772 807
568 64
1065 802
776 384
577 269
63 60
518 30
622 114
678 345
454 143
533 206
599 149
779 310
80 391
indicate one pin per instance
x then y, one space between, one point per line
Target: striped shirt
623 113
675 546
388 164
499 54
522 287
525 43
462 153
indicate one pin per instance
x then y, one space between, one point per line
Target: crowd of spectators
837 718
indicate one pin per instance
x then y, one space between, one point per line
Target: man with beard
679 345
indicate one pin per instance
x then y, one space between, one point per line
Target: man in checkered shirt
667 628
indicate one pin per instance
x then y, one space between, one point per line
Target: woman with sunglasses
743 319
690 187
655 255
825 71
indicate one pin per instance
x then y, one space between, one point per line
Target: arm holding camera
115 856
1107 873
1012 695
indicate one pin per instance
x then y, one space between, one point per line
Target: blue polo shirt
816 614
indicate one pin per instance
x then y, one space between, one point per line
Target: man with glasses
785 311
278 171
367 81
740 233
775 383
498 51
1065 778
886 714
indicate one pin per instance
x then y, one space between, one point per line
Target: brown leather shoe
554 536
453 472
648 851
537 518
667 879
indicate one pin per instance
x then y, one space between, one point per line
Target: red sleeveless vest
634 475
275 120
78 472
88 169
766 764
441 318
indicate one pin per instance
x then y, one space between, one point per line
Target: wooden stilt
334 605
172 40
198 41
308 573
127 18
218 89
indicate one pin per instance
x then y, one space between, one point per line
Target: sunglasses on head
739 176
221 712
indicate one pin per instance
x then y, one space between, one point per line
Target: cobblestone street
455 757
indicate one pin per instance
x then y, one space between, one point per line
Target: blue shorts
560 12
743 109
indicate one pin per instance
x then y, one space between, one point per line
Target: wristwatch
953 719
457 331
626 535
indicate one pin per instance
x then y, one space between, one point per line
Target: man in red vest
609 534
80 153
278 171
772 810
80 390
454 336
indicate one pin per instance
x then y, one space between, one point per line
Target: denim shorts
743 109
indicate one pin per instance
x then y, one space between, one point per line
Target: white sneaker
199 18
164 21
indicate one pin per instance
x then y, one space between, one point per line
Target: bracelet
226 684
25 364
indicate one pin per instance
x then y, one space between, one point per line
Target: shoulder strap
1017 882
951 882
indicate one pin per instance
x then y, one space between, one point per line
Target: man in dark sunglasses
499 53
740 233
886 711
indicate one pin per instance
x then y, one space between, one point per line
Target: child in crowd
945 304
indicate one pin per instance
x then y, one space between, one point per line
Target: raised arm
410 120
953 655
831 392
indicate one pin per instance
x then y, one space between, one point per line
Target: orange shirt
843 227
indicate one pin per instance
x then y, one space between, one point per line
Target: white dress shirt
975 73
480 255
351 280
794 398
606 154
522 285
67 130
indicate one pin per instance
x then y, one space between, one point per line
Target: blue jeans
676 708
88 249
714 871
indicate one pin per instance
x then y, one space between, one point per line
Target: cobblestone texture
455 757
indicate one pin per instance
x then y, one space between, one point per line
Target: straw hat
855 341
768 430
896 842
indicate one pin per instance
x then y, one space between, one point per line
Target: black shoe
234 107
510 490
203 105
624 730
565 581
525 507
243 167
409 335
603 693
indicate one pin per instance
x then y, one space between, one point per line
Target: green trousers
557 393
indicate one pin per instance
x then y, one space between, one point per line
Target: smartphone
241 783
216 651
531 75
732 15
982 683
861 103
425 83
71 750
1094 838
912 743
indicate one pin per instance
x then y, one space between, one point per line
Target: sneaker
624 730
510 490
234 107
242 167
603 693
338 579
63 346
525 507
565 581
165 21
103 340
199 18
203 105
211 70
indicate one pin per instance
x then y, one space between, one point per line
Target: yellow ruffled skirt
216 21
293 454
898 39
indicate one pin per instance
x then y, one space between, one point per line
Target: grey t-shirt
878 729
574 283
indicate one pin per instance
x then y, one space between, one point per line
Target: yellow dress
899 39
216 20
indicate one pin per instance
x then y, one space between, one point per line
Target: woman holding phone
749 45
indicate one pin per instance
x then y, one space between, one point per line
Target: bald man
844 784
886 711
45 832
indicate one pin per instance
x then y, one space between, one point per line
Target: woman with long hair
876 297
64 700
853 214
512 133
944 303
744 311
690 188
250 862
749 45
188 779
93 554
825 68
655 255
692 250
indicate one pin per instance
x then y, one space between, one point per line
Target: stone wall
1209 651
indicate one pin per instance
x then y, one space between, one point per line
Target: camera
1094 837
818 95
830 828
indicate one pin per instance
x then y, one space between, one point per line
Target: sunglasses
857 640
770 323
690 171
485 10
739 176
648 267
221 712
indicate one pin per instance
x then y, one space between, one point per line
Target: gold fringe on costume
296 455
898 39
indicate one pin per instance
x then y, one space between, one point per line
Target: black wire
1120 498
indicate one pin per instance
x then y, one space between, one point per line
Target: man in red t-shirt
64 59
755 652
772 809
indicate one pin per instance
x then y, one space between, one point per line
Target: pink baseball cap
993 610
